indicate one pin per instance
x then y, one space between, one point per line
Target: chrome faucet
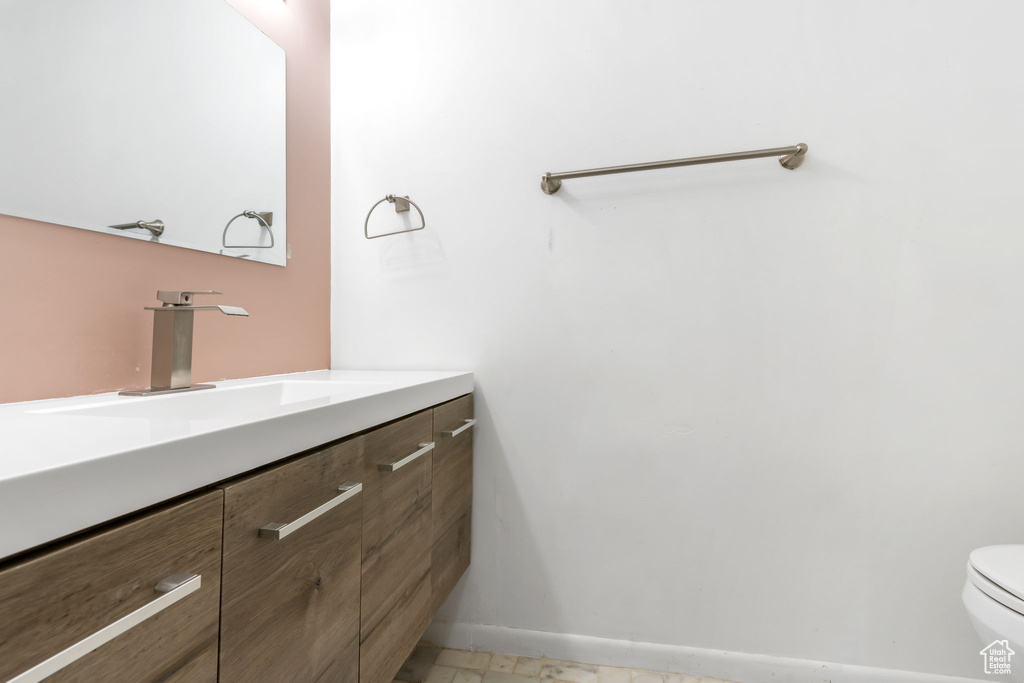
172 341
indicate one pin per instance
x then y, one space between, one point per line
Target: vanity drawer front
452 464
452 505
396 545
78 592
290 606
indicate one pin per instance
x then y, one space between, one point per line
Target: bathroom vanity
322 563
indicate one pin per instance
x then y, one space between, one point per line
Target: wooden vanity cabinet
452 499
326 567
292 552
396 592
78 590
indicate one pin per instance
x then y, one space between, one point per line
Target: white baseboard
730 666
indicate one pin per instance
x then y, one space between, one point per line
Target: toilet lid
1003 565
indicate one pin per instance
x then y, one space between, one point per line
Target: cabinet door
452 504
290 606
148 589
396 545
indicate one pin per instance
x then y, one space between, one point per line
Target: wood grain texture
452 499
52 600
290 607
396 547
449 560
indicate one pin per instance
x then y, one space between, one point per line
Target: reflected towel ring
401 206
266 219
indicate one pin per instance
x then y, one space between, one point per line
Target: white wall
729 407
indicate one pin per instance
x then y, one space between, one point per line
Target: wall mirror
165 118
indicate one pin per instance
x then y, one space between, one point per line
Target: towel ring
401 206
266 219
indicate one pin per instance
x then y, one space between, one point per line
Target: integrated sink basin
68 464
225 402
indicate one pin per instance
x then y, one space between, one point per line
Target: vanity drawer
76 594
396 545
292 551
452 505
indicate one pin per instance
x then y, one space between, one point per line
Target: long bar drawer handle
392 466
171 590
456 432
279 531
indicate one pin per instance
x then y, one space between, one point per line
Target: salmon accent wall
71 313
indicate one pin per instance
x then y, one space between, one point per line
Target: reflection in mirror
161 120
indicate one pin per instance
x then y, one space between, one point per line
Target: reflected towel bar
265 218
155 226
789 157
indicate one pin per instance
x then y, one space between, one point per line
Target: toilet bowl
994 598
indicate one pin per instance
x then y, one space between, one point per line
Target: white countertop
69 464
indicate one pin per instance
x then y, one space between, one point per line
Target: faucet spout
226 310
234 310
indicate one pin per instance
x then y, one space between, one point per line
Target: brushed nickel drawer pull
392 466
279 531
171 590
455 432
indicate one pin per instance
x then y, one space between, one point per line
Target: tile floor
431 664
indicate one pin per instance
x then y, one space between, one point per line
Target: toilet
994 598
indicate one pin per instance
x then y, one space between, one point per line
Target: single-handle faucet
172 341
